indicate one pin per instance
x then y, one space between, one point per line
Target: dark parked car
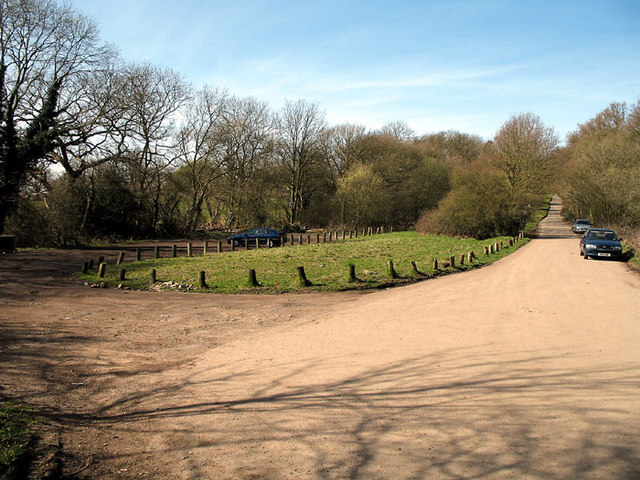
266 236
600 243
581 225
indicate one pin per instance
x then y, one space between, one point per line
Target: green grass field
326 264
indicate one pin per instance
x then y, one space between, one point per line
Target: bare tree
301 126
43 48
198 151
523 151
398 130
150 100
245 140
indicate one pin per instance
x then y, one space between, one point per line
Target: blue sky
434 64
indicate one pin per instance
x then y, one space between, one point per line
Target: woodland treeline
92 147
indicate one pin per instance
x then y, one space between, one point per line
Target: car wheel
586 257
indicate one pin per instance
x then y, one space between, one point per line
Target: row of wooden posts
450 263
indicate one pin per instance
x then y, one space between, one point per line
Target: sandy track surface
528 368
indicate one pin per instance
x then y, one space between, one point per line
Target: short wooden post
156 251
435 263
414 266
496 247
350 234
174 251
317 238
253 281
102 269
324 237
202 279
308 239
382 229
138 254
511 242
85 267
233 245
391 270
486 250
452 261
470 256
123 274
302 278
257 243
91 264
344 235
461 259
120 258
355 233
352 273
189 250
205 248
152 276
219 246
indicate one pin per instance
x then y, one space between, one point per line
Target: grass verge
15 437
326 265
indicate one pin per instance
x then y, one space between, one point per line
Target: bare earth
529 368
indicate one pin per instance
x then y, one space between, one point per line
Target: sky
464 65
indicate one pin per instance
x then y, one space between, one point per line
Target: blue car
266 236
600 243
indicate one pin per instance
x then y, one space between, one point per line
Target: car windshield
603 235
582 222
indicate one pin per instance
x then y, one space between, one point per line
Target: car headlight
591 247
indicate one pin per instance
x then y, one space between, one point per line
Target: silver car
581 225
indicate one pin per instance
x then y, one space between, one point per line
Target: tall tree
301 126
523 151
150 99
43 47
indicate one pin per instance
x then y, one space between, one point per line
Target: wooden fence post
470 256
253 281
91 264
202 280
189 250
152 276
219 246
123 274
120 258
85 267
391 270
324 237
317 238
414 266
308 239
452 261
486 250
174 251
435 263
352 273
302 278
156 251
102 269
205 248
138 254
461 259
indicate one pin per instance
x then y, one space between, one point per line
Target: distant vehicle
581 225
266 236
600 243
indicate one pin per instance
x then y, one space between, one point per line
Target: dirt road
529 368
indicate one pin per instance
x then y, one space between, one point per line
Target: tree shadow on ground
453 414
